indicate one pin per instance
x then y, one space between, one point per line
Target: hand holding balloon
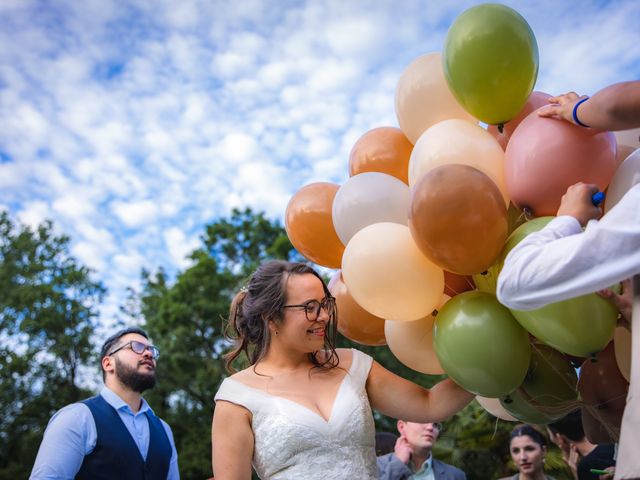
623 301
612 108
579 203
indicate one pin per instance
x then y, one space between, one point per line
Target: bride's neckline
305 407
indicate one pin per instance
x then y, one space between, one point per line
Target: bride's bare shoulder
345 357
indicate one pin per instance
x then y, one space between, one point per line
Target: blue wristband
575 113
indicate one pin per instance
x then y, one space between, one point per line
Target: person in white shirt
562 261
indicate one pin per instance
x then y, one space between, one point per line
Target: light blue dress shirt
425 472
71 435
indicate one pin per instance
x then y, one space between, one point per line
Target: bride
302 410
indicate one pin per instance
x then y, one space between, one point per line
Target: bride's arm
232 440
397 397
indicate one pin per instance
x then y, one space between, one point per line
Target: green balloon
488 281
490 61
551 380
580 326
480 345
521 407
549 390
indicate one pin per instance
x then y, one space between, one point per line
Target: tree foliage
48 310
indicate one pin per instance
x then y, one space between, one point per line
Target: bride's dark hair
263 300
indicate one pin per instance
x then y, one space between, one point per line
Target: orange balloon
458 218
545 156
603 388
354 322
455 284
309 224
535 101
385 150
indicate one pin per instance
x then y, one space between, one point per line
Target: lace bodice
293 442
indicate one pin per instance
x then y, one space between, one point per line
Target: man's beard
132 378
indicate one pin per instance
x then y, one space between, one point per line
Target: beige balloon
493 406
458 141
388 275
627 175
423 97
412 342
622 350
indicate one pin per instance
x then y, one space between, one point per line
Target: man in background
412 456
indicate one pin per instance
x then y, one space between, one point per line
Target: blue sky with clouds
134 123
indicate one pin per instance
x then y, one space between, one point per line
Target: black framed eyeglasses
312 308
139 348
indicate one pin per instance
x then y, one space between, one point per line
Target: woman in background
528 448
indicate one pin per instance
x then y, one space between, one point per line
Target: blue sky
134 123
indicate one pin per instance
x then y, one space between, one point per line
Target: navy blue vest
116 454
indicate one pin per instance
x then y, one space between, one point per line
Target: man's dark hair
113 340
570 426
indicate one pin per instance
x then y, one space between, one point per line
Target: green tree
48 312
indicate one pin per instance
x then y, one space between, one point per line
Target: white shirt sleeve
561 262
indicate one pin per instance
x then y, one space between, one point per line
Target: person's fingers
549 111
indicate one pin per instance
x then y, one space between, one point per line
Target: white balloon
627 175
628 137
423 97
493 406
369 198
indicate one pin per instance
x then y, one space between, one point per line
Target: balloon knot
507 399
593 357
501 127
435 312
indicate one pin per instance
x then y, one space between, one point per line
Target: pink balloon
545 156
535 101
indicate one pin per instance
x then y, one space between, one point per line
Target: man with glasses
114 435
412 457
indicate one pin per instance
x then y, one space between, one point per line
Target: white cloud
179 246
135 214
133 124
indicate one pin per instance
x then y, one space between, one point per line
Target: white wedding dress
292 442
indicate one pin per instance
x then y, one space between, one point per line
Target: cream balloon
458 141
495 408
628 137
423 97
368 198
412 342
388 275
627 175
622 350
